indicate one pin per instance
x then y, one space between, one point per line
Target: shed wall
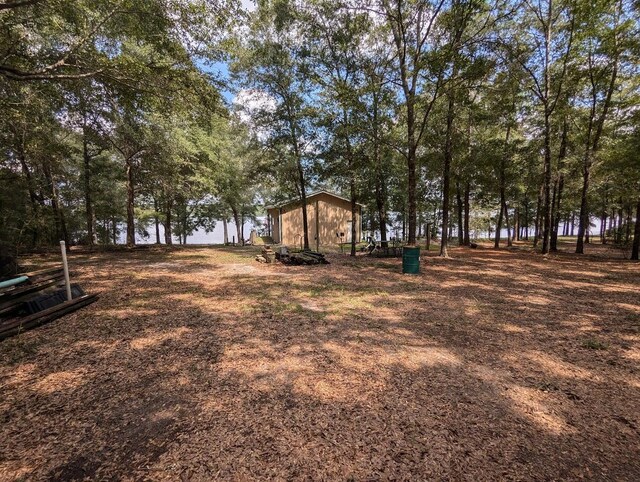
334 217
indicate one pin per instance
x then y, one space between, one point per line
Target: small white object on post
67 283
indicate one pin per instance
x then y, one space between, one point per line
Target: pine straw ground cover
200 364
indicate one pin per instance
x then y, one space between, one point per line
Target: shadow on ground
203 364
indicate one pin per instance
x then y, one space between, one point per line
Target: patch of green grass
316 292
388 266
593 344
193 256
18 349
309 313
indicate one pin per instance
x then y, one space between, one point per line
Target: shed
328 220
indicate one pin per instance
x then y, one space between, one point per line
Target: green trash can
411 259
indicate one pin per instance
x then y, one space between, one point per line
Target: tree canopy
460 118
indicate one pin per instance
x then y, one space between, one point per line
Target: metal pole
63 248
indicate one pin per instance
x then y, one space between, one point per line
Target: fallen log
15 327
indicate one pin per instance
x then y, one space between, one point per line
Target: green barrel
411 259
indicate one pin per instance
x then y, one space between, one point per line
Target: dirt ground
201 364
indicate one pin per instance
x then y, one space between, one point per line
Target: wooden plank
24 290
13 284
13 306
10 304
17 326
42 272
35 277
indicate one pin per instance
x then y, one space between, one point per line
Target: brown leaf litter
201 364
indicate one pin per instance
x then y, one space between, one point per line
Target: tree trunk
409 78
302 184
636 234
591 147
554 193
380 178
612 224
620 223
354 225
506 222
61 225
627 236
36 200
303 195
556 221
92 235
242 227
382 210
305 222
460 215
573 223
27 174
503 201
225 229
558 202
446 175
527 221
156 220
184 222
467 190
546 209
536 234
404 223
236 220
496 243
411 174
168 229
131 228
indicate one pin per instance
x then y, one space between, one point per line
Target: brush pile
301 257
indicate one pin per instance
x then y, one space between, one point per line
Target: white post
63 248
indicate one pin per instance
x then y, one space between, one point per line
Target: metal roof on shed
309 196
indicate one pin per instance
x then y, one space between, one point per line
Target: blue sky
220 70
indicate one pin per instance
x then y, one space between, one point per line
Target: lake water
199 237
